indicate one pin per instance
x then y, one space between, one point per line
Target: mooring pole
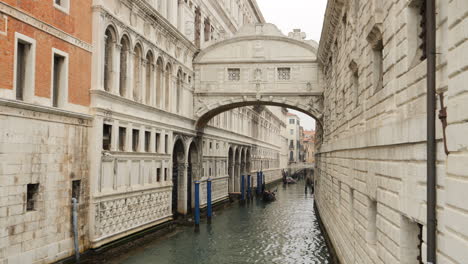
263 181
259 183
197 203
208 199
248 187
243 188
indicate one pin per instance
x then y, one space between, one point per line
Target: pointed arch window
124 51
137 73
109 43
149 76
180 81
167 85
159 81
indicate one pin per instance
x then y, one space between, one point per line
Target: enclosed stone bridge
258 66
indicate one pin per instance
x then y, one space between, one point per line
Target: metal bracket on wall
443 120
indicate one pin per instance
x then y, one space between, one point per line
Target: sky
290 14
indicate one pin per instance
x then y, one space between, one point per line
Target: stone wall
49 148
371 166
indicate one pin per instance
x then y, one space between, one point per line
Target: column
144 65
182 188
116 69
162 142
130 87
115 136
153 141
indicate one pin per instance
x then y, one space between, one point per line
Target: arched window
180 82
137 72
125 49
108 57
159 81
149 75
167 85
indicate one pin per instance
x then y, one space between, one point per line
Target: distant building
293 134
308 143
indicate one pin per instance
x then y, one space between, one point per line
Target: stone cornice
257 11
224 15
43 109
330 25
34 22
254 37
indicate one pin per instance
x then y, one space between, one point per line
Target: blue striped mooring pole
197 203
208 198
242 187
248 187
258 183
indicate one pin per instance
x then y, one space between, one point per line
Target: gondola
269 196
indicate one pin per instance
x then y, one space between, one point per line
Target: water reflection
285 231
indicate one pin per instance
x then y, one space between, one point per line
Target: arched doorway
178 167
192 174
237 171
231 170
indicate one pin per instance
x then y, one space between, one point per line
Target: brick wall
371 184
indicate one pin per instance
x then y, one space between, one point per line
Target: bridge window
284 74
291 121
234 74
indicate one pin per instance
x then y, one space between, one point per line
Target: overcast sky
290 14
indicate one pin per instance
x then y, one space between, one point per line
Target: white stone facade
46 147
371 178
145 150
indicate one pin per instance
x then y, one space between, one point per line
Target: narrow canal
284 231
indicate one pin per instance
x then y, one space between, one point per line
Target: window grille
234 75
284 74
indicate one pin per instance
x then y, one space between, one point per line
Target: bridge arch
258 66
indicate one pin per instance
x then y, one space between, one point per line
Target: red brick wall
79 78
77 23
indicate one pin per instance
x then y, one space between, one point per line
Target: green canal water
285 231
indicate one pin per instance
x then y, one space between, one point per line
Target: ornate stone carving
118 215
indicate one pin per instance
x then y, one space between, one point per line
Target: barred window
284 74
234 74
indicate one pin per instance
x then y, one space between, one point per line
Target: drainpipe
75 229
431 139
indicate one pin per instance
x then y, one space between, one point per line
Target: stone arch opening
178 168
167 84
149 76
137 63
110 39
180 81
192 174
205 115
231 170
236 184
159 81
124 54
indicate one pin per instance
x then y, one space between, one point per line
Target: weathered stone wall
371 177
46 147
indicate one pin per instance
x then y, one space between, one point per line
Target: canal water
284 231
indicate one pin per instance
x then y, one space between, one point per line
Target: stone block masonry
48 150
371 167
